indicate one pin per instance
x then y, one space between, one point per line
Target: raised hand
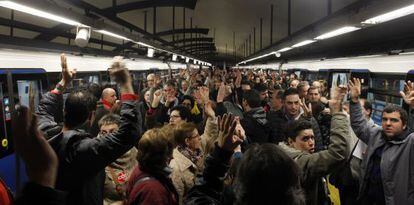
208 109
118 71
227 139
67 73
408 93
337 96
156 98
221 93
355 89
307 109
40 159
204 93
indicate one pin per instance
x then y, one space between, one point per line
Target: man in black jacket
82 158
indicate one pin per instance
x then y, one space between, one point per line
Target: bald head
109 95
151 80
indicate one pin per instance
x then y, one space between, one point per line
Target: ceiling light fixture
405 11
39 13
105 32
150 53
337 32
284 49
303 43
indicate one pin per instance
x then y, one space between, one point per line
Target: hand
40 159
239 129
118 71
67 73
307 109
227 139
208 109
221 93
408 94
355 89
204 93
337 96
156 98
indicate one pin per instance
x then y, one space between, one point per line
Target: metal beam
111 17
47 31
204 39
190 4
188 30
196 45
57 28
201 49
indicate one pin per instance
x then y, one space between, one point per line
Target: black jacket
34 193
256 126
209 188
82 159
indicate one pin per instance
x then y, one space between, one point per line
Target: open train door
17 87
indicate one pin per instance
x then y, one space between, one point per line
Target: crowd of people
213 136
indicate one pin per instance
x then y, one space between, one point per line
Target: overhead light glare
337 32
150 53
105 32
303 43
174 57
405 11
144 44
284 49
39 13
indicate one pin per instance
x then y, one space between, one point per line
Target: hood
258 114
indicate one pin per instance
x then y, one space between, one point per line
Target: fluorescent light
144 44
39 13
187 60
113 35
174 57
391 15
150 53
337 32
284 49
303 43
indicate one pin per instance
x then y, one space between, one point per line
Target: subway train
383 75
25 74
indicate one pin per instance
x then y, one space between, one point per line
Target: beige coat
183 174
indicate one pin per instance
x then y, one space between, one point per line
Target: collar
106 104
399 138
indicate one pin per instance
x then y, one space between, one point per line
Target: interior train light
105 32
303 43
150 53
39 13
337 32
174 57
284 49
405 11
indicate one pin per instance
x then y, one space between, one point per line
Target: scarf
193 156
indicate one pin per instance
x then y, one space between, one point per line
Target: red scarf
106 104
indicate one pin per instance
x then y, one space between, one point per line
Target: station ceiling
215 30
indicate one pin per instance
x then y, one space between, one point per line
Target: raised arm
408 96
50 108
97 153
358 122
323 162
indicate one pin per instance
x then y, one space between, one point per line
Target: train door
384 88
17 87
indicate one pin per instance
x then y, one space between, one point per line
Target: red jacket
150 190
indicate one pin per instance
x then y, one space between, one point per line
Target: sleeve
358 122
37 194
50 114
209 186
210 133
94 154
322 163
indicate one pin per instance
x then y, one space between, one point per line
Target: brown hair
154 150
183 131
